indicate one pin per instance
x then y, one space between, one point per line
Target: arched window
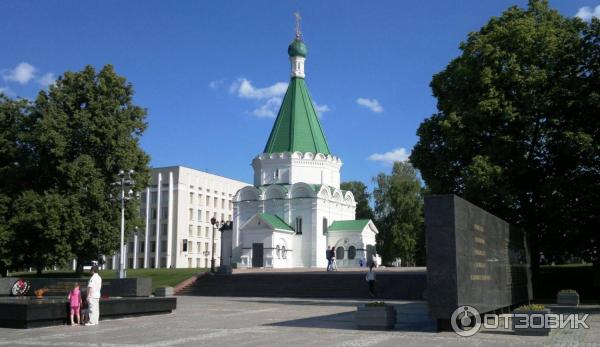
283 252
324 226
351 252
278 251
339 253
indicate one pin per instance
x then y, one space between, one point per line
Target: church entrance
257 255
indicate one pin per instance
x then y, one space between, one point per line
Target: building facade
296 211
177 209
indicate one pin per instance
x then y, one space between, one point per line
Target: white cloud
398 154
586 13
22 73
371 104
243 88
320 109
216 84
47 79
268 109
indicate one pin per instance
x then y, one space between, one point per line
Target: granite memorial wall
473 258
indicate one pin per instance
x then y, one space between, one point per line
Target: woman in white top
371 279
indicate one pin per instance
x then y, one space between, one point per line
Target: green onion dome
297 48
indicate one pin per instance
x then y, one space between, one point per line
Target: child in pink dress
75 302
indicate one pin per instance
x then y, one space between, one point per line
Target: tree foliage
517 130
399 215
362 198
61 153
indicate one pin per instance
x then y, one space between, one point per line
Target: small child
75 301
371 279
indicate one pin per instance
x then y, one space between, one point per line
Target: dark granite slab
473 258
127 287
28 312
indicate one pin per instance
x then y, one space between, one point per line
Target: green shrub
532 307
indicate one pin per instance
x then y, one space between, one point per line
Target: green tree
75 138
399 215
362 198
15 158
517 130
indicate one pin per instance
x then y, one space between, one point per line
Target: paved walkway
208 321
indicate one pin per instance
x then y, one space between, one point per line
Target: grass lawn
160 277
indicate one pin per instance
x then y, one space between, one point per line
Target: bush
532 307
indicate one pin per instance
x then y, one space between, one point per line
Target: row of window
198 216
215 201
207 231
340 252
188 246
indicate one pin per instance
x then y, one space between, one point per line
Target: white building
296 210
177 209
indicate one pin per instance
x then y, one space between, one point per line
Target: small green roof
297 127
276 222
349 225
297 48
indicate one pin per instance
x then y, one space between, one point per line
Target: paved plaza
209 321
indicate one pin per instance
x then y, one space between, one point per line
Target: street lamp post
124 181
215 225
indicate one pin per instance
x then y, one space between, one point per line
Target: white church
296 210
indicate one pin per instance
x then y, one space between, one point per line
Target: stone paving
210 321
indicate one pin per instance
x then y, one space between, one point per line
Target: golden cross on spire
298 19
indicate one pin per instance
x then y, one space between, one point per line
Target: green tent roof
276 222
348 225
297 126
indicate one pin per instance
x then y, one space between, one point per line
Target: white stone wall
290 168
171 187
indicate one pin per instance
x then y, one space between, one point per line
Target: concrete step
391 286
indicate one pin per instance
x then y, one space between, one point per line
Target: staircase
339 285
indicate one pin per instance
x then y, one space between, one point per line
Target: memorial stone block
473 258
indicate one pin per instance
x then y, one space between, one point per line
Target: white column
147 230
125 254
170 221
157 238
135 250
114 262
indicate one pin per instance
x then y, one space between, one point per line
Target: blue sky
211 73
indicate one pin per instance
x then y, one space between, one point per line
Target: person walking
328 255
371 279
333 262
75 303
93 296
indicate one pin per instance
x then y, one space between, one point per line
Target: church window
339 253
299 225
278 251
324 226
351 252
276 174
283 252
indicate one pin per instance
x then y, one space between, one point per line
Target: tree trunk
79 266
38 270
